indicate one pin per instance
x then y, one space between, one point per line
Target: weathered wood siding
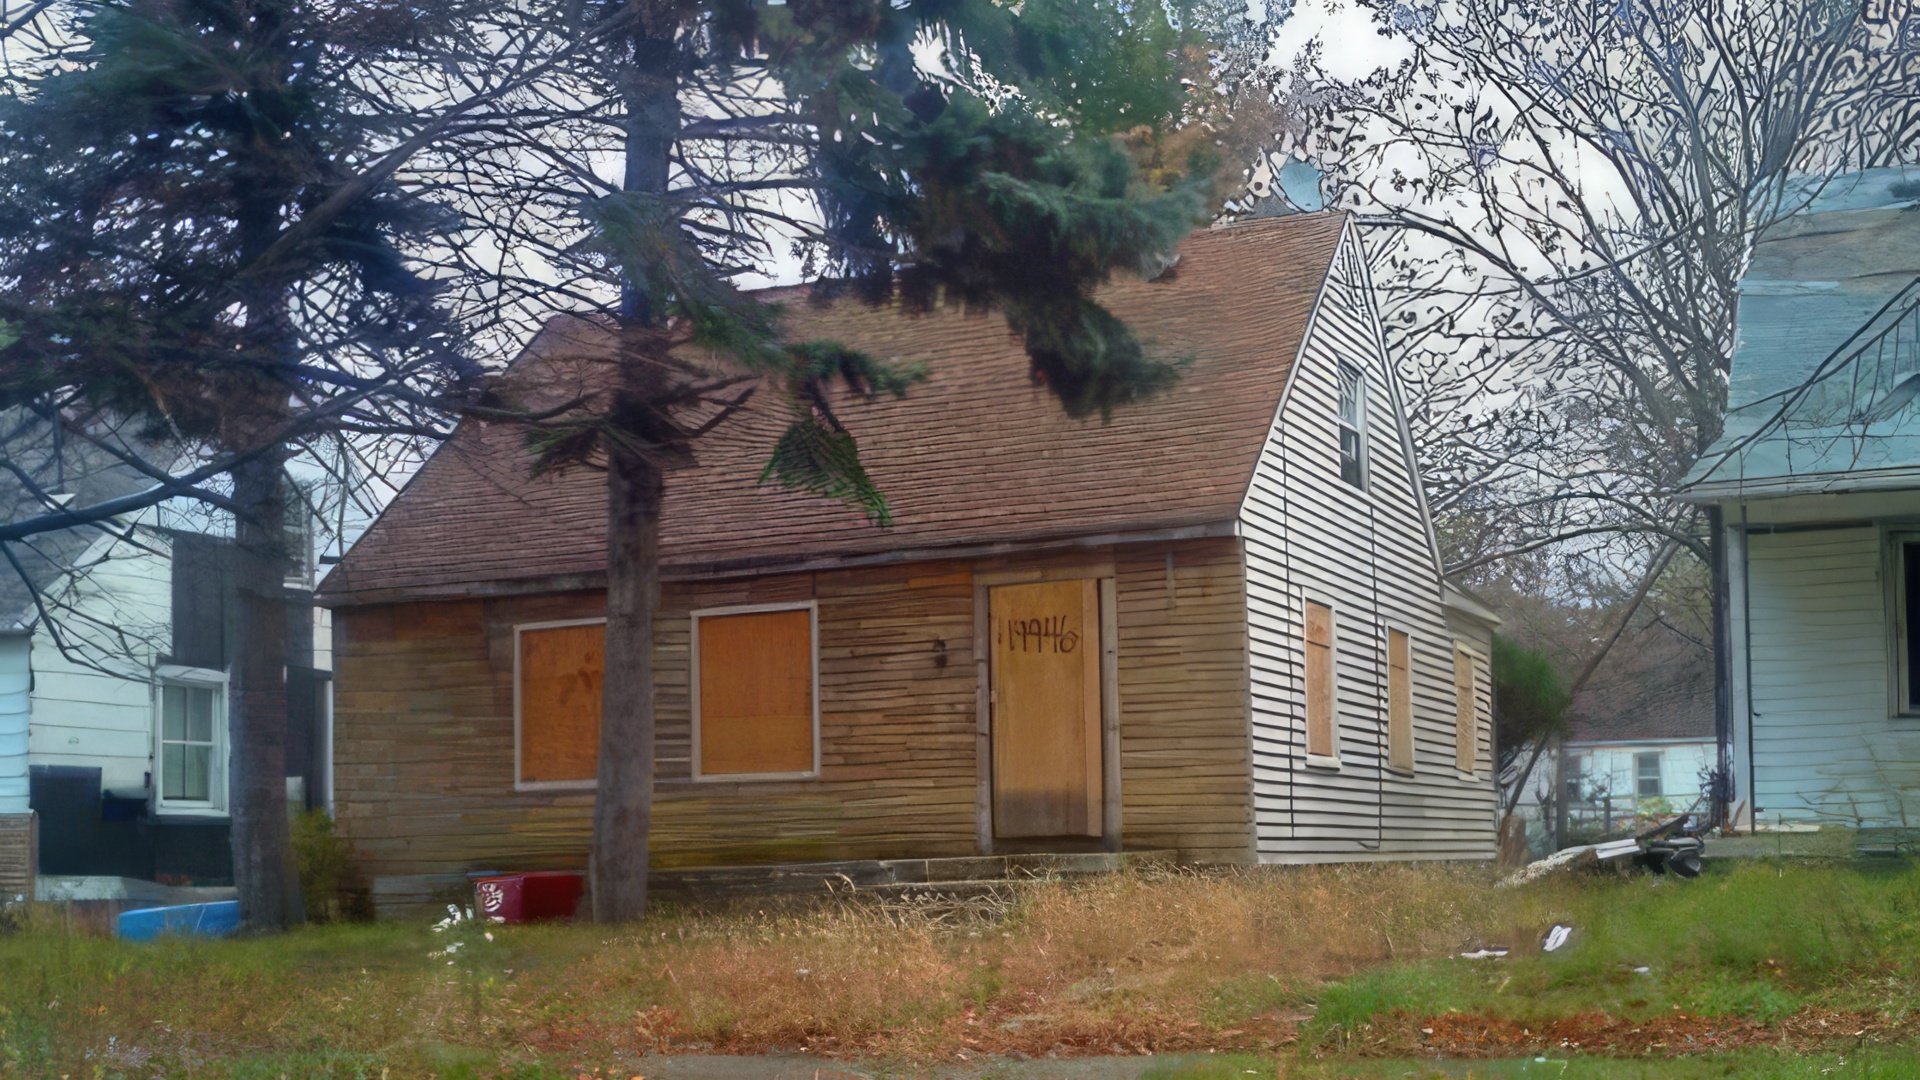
423 722
1369 555
1814 665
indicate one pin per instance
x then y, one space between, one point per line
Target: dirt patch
1472 1035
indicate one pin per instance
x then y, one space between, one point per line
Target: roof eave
761 565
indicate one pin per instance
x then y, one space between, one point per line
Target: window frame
1331 759
1344 371
1412 763
519 783
1659 774
812 608
1900 681
218 797
1476 663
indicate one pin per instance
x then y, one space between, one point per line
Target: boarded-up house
1212 624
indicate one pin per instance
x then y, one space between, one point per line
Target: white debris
1556 937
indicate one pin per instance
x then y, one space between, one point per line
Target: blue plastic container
217 918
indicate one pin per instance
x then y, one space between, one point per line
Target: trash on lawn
1492 953
1662 849
1556 937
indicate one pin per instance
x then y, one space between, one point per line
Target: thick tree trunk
623 806
623 803
263 868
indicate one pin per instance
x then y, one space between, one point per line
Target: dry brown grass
1149 960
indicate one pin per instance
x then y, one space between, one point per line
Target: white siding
82 715
15 678
1815 665
1613 769
1370 556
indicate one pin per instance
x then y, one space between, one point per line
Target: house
1640 738
1213 624
113 655
1815 491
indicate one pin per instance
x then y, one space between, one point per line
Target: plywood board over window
1321 741
1466 712
1399 701
558 669
755 703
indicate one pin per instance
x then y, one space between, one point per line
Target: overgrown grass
1351 959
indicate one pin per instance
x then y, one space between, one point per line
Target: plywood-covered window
1321 741
557 674
1399 700
755 706
1466 712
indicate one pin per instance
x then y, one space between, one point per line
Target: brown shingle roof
974 455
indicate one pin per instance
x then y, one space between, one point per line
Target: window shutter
1466 713
1321 741
201 582
1399 700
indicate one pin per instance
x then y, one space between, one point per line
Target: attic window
1353 426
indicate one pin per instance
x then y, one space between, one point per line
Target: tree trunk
623 805
623 802
263 868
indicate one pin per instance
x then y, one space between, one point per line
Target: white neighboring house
121 644
1816 489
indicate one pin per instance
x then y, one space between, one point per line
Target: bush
329 881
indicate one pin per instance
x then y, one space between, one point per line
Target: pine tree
917 152
195 236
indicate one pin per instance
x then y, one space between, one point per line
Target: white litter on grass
1494 953
1556 937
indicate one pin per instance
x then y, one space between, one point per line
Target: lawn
1757 969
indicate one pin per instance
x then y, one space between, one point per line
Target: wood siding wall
1368 555
423 757
1813 660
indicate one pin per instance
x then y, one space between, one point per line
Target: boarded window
1399 700
1466 713
1319 677
560 670
755 710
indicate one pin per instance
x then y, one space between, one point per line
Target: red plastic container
529 897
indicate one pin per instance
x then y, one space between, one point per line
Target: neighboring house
1641 738
1213 623
120 640
1816 484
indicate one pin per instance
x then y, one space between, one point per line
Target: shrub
329 881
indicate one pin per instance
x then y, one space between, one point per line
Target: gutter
760 565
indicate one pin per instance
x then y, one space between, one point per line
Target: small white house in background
113 657
1816 484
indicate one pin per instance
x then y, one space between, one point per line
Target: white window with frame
190 755
1646 775
756 692
1353 426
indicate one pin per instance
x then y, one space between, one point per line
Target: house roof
1655 683
1829 303
974 455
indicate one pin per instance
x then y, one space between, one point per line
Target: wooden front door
1045 681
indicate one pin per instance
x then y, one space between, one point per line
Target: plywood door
1046 709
